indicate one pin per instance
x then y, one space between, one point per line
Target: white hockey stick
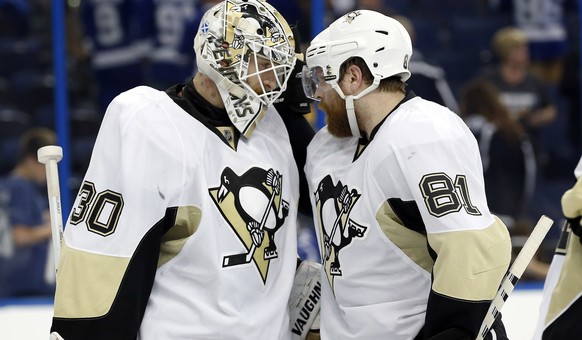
514 273
50 155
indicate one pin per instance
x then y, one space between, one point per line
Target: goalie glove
572 207
458 334
497 332
304 300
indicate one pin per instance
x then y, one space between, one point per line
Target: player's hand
572 207
256 233
327 246
497 332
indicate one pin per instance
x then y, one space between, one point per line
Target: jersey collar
363 142
215 119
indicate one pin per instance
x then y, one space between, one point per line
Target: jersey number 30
443 196
100 211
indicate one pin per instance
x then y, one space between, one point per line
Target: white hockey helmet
231 34
382 42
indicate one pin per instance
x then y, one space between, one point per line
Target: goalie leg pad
304 302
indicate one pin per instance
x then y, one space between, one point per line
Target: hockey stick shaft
50 155
261 227
514 273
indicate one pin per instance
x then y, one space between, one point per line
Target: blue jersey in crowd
25 271
115 38
171 30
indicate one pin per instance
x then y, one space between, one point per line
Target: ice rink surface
29 319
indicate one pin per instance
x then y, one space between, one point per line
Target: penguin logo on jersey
351 16
335 203
252 205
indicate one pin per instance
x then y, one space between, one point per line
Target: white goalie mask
239 44
382 42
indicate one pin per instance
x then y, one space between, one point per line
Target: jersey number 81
442 196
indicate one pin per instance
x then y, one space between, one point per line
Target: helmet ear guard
233 36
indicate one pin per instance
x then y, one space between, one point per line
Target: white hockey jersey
181 230
408 204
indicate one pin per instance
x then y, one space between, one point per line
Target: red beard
336 115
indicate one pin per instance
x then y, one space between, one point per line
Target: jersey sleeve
471 247
112 238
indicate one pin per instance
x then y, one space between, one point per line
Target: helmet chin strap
352 120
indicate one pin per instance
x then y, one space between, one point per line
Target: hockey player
561 302
409 247
185 223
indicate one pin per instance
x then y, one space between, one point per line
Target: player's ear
354 78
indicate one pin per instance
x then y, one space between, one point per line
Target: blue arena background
28 305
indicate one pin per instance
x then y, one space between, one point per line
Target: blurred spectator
509 166
29 270
6 243
379 6
14 18
171 30
298 15
340 7
291 10
428 80
542 21
116 44
523 93
570 90
336 8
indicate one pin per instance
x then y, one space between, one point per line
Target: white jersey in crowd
168 204
394 210
562 295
